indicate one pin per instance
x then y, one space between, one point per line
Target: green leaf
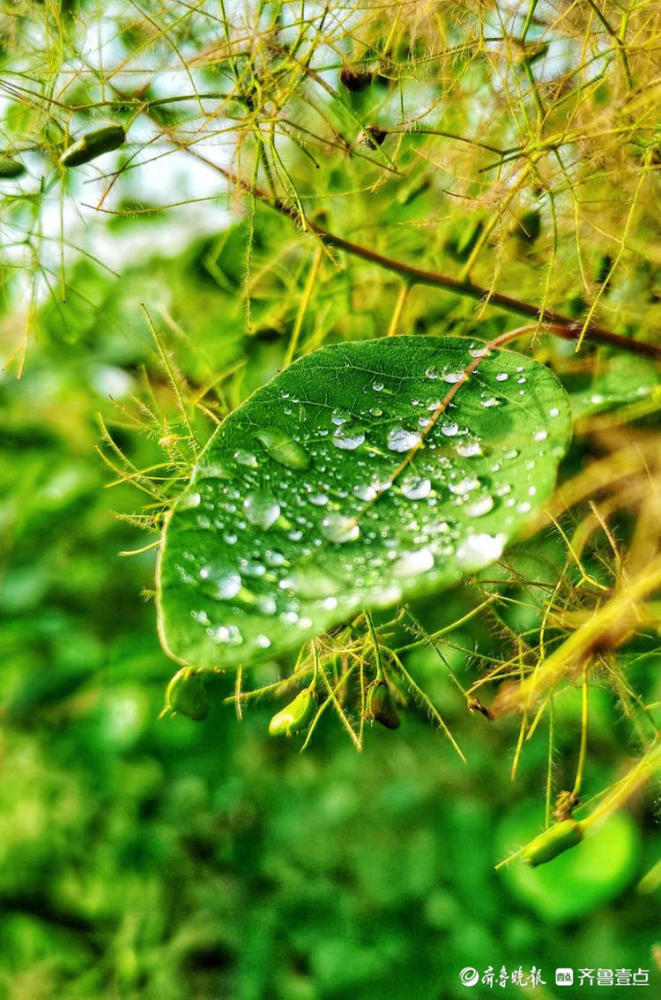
343 484
622 379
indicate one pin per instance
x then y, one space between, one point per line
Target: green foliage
297 179
356 479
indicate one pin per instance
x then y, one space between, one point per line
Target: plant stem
302 309
648 765
557 323
399 308
608 623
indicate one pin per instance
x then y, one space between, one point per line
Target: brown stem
555 322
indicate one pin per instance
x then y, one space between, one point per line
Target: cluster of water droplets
323 509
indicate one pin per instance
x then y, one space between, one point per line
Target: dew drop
188 500
412 563
340 417
469 450
464 486
348 441
283 449
338 528
480 507
266 604
416 489
366 492
229 634
478 551
261 509
401 440
219 583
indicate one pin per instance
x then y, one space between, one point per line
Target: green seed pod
294 716
381 707
355 79
10 168
552 842
186 694
372 136
92 144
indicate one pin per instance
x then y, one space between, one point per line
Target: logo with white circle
469 976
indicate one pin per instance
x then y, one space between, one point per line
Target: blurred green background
169 859
173 859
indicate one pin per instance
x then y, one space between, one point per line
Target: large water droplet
478 551
402 440
416 489
464 486
261 509
365 491
340 417
228 634
480 507
469 450
348 440
188 500
283 449
220 583
338 528
412 563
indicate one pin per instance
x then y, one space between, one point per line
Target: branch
557 323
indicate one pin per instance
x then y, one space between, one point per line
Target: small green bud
294 716
92 144
10 168
552 842
186 694
381 707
